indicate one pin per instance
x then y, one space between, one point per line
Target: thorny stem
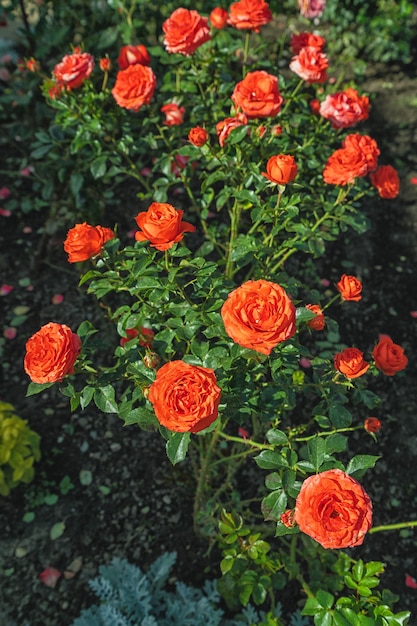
396 526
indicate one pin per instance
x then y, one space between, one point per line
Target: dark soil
136 504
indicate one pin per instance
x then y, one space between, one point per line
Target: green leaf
336 443
105 400
316 452
237 134
177 446
339 416
76 182
361 462
268 459
325 598
34 388
144 418
277 437
273 505
98 167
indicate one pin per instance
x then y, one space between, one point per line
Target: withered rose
74 69
350 288
351 363
185 397
249 15
185 31
174 114
281 169
257 95
389 357
333 509
218 17
84 241
134 87
301 40
162 225
131 55
318 322
386 181
198 136
51 353
259 315
310 64
225 127
345 108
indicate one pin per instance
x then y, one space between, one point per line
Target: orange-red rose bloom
185 31
174 115
185 397
358 157
74 69
162 225
51 353
318 322
389 357
105 64
257 95
134 87
131 55
281 169
259 315
351 363
225 127
386 181
145 336
218 17
85 241
249 14
372 424
334 509
310 64
350 288
345 108
301 40
198 136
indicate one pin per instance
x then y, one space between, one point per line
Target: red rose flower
198 136
185 397
351 363
350 288
257 95
389 357
259 315
345 108
333 509
134 87
51 353
249 14
132 55
310 64
85 241
218 17
281 169
386 181
174 114
74 69
358 157
162 226
185 31
301 40
311 8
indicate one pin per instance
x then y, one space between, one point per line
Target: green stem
234 226
203 477
245 52
292 96
397 526
247 442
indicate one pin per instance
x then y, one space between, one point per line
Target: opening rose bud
281 169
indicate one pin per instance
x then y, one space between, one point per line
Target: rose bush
230 369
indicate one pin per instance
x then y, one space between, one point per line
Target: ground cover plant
246 162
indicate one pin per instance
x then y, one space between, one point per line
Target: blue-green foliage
129 597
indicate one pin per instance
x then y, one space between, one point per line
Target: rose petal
243 433
4 193
410 582
413 180
10 332
6 289
50 576
57 298
5 212
304 362
413 314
